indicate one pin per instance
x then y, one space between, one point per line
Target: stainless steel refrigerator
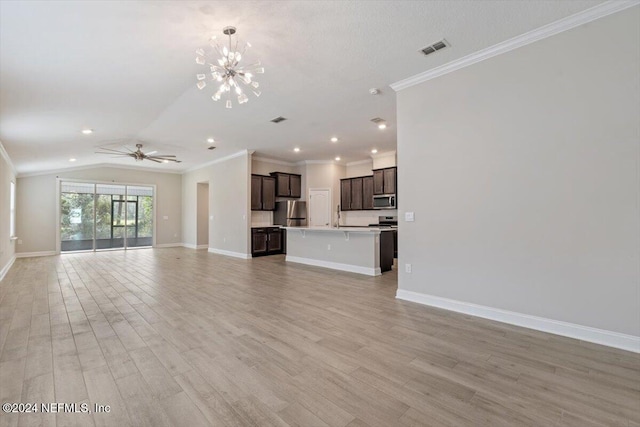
292 213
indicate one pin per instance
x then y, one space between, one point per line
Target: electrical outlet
407 268
165 217
175 234
328 247
408 216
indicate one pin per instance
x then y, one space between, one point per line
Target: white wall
203 213
522 171
229 204
384 160
36 204
7 246
361 168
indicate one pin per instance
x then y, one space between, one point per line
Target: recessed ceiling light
87 131
72 159
382 126
374 151
297 150
338 159
211 140
334 139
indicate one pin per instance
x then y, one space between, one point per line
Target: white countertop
344 229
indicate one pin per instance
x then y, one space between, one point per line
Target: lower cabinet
266 241
386 251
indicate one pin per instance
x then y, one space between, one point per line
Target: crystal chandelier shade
223 64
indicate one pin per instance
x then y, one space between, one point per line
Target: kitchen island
361 250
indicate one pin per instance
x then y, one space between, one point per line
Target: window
12 210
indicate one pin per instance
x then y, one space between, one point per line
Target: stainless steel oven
384 201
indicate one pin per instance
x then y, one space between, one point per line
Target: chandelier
233 80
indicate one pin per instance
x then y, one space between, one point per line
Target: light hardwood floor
187 338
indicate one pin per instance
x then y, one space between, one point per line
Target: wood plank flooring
186 338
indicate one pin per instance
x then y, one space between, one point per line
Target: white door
320 208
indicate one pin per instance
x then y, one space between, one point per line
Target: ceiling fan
138 155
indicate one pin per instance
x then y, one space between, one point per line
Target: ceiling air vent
377 120
436 46
278 119
211 148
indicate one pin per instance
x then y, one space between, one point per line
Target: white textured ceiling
127 70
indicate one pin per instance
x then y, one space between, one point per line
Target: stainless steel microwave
384 201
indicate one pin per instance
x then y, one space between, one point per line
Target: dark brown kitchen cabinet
390 181
258 241
384 181
263 193
345 194
256 193
268 193
295 185
367 193
356 194
378 181
266 241
288 184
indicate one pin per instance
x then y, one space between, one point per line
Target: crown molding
383 154
319 162
6 157
564 24
220 160
274 161
359 162
95 166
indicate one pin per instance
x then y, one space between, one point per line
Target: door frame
94 182
328 205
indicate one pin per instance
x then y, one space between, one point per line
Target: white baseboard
169 245
35 254
7 267
335 265
572 330
191 246
229 253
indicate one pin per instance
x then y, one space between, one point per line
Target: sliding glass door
105 216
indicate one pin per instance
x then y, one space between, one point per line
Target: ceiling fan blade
162 157
153 160
112 150
151 152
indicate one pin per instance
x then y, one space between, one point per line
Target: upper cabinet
356 194
384 181
288 184
263 193
367 193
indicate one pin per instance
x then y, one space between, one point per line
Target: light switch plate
408 216
165 217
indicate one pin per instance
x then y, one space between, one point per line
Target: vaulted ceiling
126 69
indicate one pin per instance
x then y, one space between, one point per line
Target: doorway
202 220
97 216
320 207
